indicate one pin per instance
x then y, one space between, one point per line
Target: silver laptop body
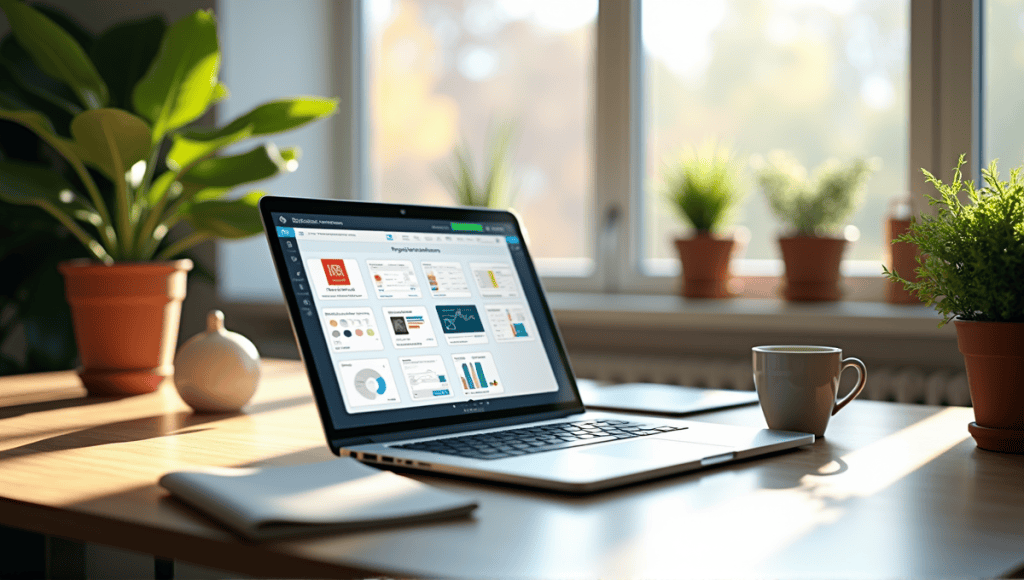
422 326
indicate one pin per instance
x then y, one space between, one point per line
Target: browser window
435 314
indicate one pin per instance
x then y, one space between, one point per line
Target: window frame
943 121
943 118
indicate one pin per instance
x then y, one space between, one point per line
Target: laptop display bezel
342 208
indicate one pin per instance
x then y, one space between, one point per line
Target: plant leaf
163 185
124 53
111 140
56 52
259 163
186 151
25 184
82 36
179 85
268 118
31 79
13 97
232 219
220 92
41 126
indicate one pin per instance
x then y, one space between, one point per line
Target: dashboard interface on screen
416 314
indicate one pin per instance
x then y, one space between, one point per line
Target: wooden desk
894 491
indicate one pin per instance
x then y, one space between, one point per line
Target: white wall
273 49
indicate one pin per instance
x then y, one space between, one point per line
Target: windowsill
761 315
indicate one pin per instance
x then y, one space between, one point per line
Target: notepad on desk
656 399
337 495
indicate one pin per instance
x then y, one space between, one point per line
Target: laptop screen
412 319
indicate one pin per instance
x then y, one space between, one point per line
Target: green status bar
457 227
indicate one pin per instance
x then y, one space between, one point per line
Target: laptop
430 346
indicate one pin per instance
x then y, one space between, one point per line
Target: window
1003 68
602 92
820 79
446 71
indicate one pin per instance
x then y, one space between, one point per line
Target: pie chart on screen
370 384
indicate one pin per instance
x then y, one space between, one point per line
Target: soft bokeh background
448 70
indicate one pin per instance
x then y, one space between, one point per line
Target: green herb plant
494 189
117 113
817 205
972 254
704 186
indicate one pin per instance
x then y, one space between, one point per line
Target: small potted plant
125 165
813 209
494 189
704 186
971 268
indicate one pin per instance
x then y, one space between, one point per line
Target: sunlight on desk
894 491
884 462
755 520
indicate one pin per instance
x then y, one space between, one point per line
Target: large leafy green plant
815 205
704 186
127 162
972 255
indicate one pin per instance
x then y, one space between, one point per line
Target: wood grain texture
893 491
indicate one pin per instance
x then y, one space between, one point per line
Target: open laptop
429 345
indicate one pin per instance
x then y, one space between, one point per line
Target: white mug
798 385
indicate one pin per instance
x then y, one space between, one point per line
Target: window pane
447 70
819 78
1003 50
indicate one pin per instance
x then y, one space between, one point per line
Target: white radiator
903 385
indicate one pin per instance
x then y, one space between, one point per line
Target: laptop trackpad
650 449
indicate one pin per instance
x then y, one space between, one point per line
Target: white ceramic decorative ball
217 371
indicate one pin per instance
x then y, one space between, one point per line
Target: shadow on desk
166 425
42 407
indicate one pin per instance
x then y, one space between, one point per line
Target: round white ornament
216 371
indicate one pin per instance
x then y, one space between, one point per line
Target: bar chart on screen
477 373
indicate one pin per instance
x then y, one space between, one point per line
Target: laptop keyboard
514 442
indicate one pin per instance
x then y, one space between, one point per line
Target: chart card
495 280
351 329
426 376
477 374
393 279
446 279
461 324
510 322
409 326
335 278
368 383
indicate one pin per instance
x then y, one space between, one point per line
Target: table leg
22 554
163 569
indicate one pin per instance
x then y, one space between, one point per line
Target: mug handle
862 379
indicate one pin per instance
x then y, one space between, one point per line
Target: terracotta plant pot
705 262
812 267
994 355
902 259
126 320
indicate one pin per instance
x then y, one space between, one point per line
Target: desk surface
894 491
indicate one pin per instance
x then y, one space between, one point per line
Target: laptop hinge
453 429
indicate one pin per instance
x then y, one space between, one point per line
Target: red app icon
337 275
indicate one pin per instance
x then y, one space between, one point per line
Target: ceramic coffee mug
798 385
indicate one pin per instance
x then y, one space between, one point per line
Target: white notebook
337 495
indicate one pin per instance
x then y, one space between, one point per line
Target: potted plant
971 268
126 165
703 185
813 209
494 189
